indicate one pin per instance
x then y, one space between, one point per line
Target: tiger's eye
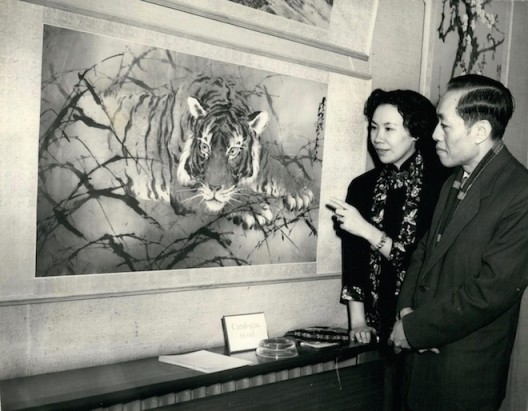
233 152
204 149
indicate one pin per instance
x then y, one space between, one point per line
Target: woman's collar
405 165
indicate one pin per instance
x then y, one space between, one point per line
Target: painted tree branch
462 17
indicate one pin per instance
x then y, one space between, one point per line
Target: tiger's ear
258 120
195 108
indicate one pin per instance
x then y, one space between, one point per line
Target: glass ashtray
279 347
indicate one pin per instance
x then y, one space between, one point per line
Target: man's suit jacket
465 292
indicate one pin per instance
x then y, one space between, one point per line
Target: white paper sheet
205 361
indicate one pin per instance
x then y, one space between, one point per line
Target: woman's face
390 138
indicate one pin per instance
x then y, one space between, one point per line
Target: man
460 300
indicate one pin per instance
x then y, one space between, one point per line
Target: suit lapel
464 213
467 209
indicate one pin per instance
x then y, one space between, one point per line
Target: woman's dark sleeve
353 280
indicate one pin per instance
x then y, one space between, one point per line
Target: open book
205 361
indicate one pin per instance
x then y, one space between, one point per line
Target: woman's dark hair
418 113
483 99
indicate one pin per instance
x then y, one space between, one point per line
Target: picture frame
349 30
21 102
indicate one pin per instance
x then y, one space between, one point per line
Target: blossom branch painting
473 37
463 18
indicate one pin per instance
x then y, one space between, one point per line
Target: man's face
455 143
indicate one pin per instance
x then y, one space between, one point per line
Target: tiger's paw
298 201
255 217
179 208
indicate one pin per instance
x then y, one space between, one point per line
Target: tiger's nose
214 188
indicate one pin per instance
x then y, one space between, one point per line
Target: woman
387 209
386 212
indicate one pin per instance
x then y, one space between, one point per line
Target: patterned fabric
390 178
352 294
320 334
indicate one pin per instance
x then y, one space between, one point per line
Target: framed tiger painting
151 159
155 162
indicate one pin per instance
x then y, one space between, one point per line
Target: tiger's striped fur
202 139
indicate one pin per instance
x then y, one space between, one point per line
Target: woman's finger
363 336
332 204
338 203
339 212
358 338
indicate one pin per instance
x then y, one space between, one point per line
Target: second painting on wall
313 12
341 26
471 36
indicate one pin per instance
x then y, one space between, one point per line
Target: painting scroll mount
309 47
348 31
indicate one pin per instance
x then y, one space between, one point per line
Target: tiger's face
221 153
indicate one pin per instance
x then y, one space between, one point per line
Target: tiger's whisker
245 189
185 190
237 196
192 197
240 194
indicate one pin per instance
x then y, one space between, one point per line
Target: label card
243 332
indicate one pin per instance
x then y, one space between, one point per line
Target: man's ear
482 131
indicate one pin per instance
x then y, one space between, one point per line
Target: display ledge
357 388
147 380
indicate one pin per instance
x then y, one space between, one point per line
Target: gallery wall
515 137
52 324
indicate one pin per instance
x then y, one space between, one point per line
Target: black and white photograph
263 205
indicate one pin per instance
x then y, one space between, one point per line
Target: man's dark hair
483 99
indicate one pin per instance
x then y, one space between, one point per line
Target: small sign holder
243 332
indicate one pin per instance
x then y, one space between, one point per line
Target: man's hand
398 338
433 350
404 312
397 350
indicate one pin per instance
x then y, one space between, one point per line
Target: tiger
200 148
